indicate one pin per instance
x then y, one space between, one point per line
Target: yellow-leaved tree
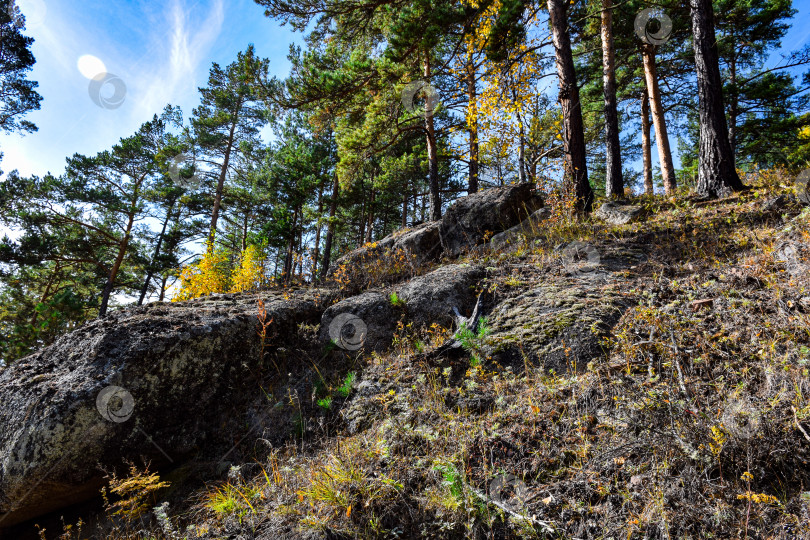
249 275
207 276
508 114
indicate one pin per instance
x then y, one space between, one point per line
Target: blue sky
161 50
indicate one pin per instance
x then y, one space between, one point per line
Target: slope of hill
642 380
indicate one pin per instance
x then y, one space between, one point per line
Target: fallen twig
798 425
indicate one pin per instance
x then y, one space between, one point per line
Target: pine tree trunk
733 107
646 143
404 208
574 137
221 187
330 229
163 288
614 183
301 249
156 253
521 152
433 158
717 176
245 231
521 135
370 219
659 120
316 253
472 124
289 260
119 259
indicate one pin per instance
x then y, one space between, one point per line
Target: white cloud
189 46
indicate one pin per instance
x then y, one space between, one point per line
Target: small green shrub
472 342
325 403
346 388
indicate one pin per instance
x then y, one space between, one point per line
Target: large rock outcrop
389 260
469 220
421 244
155 382
366 321
466 224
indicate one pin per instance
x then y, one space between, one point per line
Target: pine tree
18 95
747 33
89 215
229 114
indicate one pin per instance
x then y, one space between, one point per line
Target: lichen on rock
560 327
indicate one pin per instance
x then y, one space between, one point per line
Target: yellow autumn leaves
508 106
213 273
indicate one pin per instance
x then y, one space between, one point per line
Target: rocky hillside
501 373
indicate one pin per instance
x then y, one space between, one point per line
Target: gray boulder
528 226
388 260
421 243
617 214
467 221
157 382
464 226
366 321
432 297
355 260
